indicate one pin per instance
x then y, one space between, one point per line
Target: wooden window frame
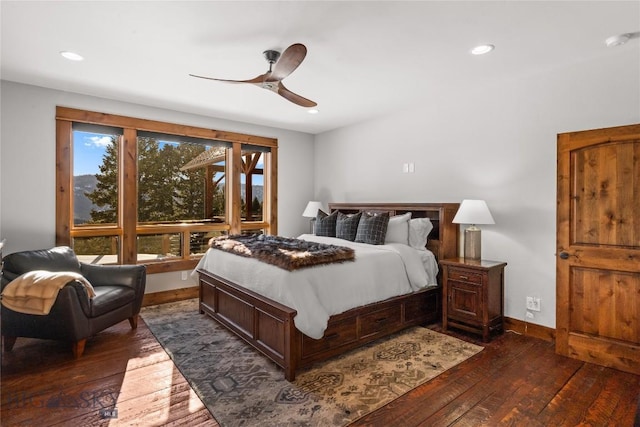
128 229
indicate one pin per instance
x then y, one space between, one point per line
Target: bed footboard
263 323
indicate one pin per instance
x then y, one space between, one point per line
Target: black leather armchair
74 317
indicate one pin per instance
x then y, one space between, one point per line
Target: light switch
405 168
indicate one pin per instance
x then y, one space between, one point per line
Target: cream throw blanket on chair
35 292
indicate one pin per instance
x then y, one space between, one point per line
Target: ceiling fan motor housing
271 56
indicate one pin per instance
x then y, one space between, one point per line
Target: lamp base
472 243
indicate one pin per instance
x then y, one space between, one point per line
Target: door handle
564 255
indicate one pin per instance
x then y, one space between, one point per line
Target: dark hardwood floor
515 380
42 384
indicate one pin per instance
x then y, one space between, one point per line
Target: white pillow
398 229
419 229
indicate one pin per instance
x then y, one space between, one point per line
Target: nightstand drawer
464 275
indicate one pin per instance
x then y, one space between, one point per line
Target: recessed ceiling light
482 49
313 111
72 56
617 40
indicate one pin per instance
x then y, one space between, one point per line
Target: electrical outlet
184 275
533 303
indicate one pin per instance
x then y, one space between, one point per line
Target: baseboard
170 296
530 329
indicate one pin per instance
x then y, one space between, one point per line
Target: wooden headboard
443 240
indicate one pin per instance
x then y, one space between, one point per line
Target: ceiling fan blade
288 62
295 98
259 79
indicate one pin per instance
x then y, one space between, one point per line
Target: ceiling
365 58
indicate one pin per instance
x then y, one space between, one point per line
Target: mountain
81 204
256 190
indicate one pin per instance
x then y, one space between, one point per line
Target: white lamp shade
473 212
312 209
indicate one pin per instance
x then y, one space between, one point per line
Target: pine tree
190 185
156 192
105 195
256 207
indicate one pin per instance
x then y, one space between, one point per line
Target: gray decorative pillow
372 229
347 226
326 224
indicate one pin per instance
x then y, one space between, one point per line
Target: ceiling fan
285 64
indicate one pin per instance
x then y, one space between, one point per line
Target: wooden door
598 247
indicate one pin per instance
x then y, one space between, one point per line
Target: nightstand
473 294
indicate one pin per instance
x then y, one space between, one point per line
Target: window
95 193
155 193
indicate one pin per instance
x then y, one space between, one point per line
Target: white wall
27 160
498 144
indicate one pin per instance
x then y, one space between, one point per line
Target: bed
269 326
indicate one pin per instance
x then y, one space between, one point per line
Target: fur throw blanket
35 292
286 253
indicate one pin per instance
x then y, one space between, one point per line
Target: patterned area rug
240 387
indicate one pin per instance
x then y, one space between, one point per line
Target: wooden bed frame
268 325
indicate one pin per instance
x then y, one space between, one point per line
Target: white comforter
378 272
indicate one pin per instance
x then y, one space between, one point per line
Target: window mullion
270 190
64 186
128 196
234 193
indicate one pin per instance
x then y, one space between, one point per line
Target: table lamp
311 211
473 212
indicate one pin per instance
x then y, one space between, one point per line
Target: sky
89 149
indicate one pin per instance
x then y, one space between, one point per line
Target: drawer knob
464 277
